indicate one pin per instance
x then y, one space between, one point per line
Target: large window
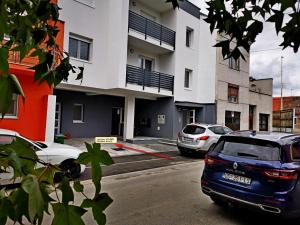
189 37
79 48
13 109
234 64
263 122
187 78
233 93
78 113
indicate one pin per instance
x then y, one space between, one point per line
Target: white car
56 154
197 137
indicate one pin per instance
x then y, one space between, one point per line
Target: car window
227 130
6 139
248 148
296 151
193 129
219 130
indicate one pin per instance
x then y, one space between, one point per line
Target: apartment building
243 103
148 69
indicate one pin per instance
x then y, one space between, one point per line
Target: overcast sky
265 62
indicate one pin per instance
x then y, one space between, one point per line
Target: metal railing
145 78
150 28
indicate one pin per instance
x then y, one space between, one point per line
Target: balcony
145 78
149 28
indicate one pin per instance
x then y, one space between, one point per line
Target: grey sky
266 64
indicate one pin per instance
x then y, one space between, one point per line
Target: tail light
281 174
203 138
210 161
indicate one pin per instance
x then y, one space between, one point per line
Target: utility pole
281 86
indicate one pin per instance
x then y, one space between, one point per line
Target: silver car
199 137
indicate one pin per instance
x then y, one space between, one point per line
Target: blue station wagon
255 170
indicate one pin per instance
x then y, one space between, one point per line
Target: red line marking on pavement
118 145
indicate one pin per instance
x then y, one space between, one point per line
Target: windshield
248 148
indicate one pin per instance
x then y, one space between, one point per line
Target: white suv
199 137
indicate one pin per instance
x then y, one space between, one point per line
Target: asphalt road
171 196
132 163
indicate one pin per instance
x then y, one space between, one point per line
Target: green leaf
95 156
98 205
35 199
78 187
46 174
22 157
67 214
67 192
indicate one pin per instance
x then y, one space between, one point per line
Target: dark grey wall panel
97 113
146 117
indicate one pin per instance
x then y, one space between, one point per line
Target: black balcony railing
145 78
150 28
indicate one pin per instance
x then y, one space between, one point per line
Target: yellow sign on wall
105 140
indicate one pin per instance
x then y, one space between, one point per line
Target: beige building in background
242 102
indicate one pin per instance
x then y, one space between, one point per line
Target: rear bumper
284 204
228 198
202 146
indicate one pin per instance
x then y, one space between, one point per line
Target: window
248 148
263 122
234 64
192 115
193 129
79 48
187 78
189 34
147 63
78 110
217 130
233 93
13 110
232 120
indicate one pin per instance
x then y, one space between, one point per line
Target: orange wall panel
31 121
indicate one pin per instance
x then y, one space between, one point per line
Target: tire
70 169
182 151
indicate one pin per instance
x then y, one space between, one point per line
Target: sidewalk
79 143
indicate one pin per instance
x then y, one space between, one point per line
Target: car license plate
236 178
187 140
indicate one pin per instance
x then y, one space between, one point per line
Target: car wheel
70 169
182 151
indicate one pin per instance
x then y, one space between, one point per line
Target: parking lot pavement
129 149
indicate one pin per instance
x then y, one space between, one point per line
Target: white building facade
148 69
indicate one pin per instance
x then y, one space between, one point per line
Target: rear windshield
248 148
193 129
